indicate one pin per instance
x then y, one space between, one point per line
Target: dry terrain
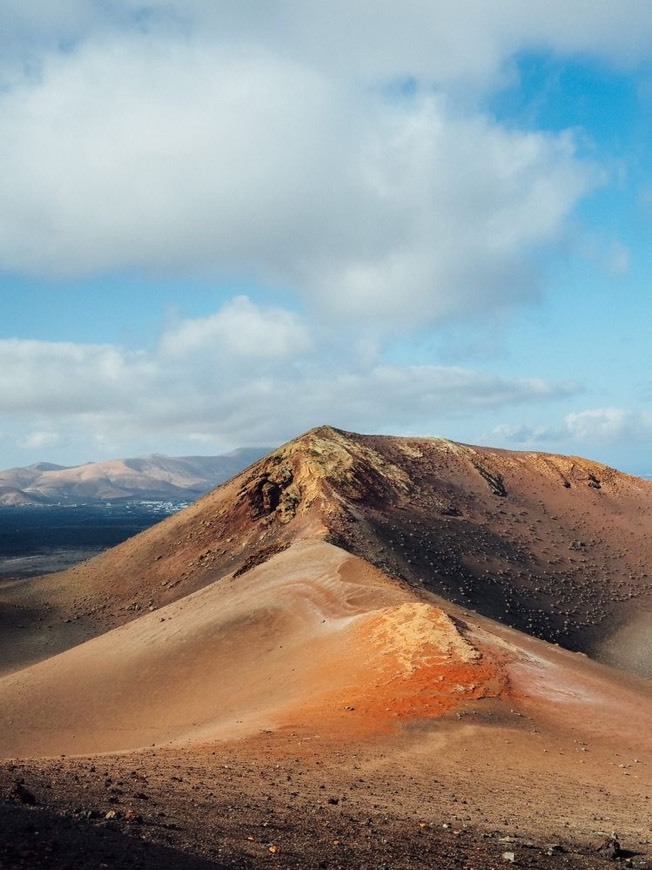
360 652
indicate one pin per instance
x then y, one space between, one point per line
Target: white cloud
61 378
464 202
523 435
37 440
162 156
595 426
113 397
435 39
238 332
609 425
156 155
269 141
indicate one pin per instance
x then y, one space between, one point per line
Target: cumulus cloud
61 378
435 39
38 440
238 332
338 152
595 426
158 156
259 139
464 202
609 425
131 396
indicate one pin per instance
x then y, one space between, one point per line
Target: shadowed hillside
558 547
322 650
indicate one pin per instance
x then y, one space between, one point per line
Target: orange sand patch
400 662
424 666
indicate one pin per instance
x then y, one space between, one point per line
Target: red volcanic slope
340 562
558 547
334 621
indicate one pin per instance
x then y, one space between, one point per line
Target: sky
224 222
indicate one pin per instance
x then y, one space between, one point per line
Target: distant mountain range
154 477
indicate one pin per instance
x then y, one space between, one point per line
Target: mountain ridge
153 476
554 546
351 620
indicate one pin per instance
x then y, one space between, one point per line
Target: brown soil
229 689
447 793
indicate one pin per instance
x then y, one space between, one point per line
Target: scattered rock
610 848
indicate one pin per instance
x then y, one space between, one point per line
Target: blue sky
224 223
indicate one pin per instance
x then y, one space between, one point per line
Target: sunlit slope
559 547
314 639
312 635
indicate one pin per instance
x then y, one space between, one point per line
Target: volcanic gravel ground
289 800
